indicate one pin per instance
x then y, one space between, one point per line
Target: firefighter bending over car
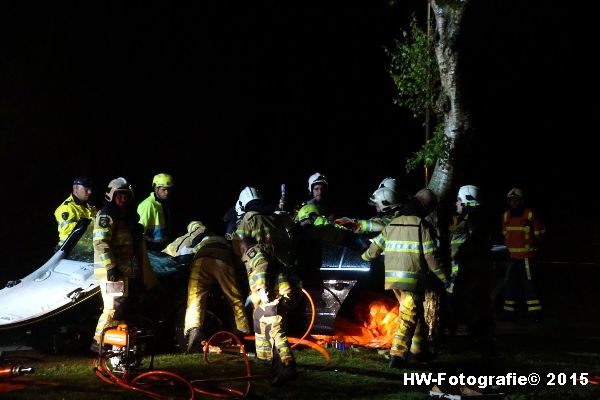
120 260
212 265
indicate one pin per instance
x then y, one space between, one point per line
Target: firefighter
189 243
273 292
273 232
318 188
387 205
409 253
212 265
120 260
155 212
77 206
523 232
471 273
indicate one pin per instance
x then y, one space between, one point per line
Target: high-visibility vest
522 233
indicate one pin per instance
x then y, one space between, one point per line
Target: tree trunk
448 17
447 173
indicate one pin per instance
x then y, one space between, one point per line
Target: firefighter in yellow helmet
121 263
77 206
188 243
409 246
523 232
155 213
212 265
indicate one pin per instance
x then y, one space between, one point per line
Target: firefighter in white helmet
387 205
155 213
472 268
120 257
409 252
272 232
274 290
318 188
523 232
77 206
389 183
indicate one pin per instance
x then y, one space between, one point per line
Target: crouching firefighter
121 263
274 291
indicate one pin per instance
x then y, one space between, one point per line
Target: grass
352 374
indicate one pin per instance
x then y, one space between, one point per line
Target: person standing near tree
523 232
471 251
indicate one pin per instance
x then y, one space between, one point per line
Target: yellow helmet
192 226
306 211
162 180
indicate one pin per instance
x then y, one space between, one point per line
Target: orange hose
312 319
106 375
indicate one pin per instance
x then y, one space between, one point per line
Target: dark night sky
270 92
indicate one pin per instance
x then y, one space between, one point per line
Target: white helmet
317 177
469 195
117 185
248 194
389 183
384 198
238 209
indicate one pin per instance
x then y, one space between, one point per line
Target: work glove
112 275
264 296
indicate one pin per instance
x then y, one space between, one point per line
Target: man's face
459 206
82 193
122 198
319 191
163 193
514 202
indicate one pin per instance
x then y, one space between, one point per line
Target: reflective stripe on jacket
409 248
522 233
271 231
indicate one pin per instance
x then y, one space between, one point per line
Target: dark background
222 95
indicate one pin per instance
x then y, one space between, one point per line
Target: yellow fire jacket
409 251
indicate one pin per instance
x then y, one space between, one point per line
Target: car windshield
84 249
